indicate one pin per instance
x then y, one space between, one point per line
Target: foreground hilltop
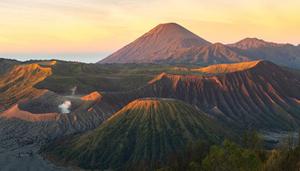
140 135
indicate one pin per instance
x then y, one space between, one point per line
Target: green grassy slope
102 78
141 133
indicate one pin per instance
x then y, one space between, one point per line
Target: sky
89 30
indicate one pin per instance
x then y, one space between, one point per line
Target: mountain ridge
253 43
205 54
265 95
173 44
227 68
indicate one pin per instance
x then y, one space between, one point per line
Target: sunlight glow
90 26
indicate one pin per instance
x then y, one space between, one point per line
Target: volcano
156 45
144 130
171 43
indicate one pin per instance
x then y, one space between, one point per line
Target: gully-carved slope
139 135
262 96
18 83
255 94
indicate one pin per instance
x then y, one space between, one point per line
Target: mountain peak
253 39
173 31
168 25
253 43
147 103
94 96
156 45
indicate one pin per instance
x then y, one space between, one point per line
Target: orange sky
54 27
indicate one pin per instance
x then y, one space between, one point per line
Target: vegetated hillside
156 45
86 78
282 54
98 77
90 77
140 135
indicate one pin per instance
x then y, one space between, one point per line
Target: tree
231 157
252 140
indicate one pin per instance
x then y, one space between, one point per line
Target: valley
170 100
231 98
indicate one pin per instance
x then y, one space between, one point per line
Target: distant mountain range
171 43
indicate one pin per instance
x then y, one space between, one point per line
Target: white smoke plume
65 106
73 90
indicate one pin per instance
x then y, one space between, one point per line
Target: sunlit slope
27 112
145 130
262 96
18 83
172 44
156 45
226 68
205 54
